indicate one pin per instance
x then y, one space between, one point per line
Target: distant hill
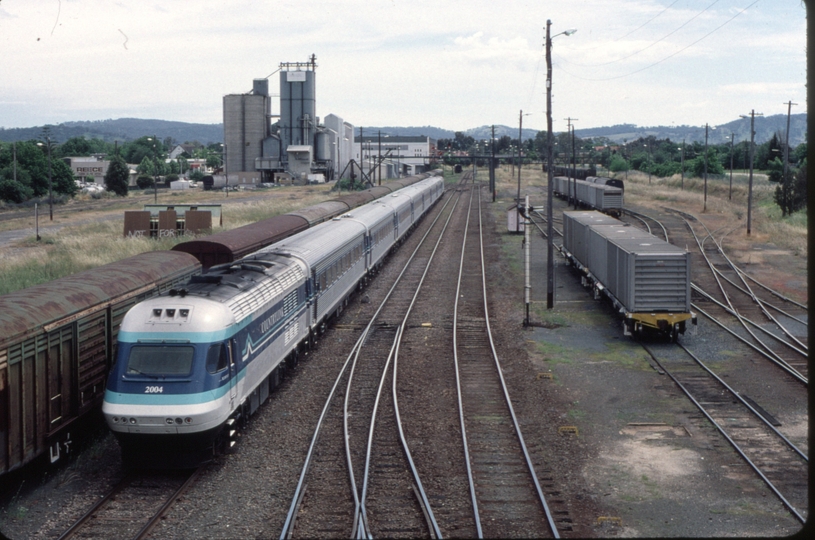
125 129
122 129
765 127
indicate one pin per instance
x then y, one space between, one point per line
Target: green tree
791 195
12 190
147 166
145 181
117 176
619 164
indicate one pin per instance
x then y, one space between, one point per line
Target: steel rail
766 304
733 443
726 296
394 354
288 525
750 321
499 370
123 483
772 291
744 402
167 504
753 295
361 528
783 365
467 460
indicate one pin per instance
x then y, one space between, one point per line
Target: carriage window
160 360
217 358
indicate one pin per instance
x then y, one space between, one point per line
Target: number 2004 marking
154 389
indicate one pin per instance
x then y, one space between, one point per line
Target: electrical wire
663 38
629 33
664 59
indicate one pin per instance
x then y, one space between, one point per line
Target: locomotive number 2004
153 389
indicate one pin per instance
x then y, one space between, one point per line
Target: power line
664 59
663 38
629 33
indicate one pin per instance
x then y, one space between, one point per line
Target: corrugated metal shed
31 309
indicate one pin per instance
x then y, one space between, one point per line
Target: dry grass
767 226
84 242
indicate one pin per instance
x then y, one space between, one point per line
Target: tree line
658 157
24 165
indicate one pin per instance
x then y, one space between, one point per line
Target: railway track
133 506
750 430
778 460
405 470
500 468
357 478
764 320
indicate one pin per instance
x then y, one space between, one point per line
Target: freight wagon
602 197
646 279
56 344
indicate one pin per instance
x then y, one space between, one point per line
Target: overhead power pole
785 181
753 114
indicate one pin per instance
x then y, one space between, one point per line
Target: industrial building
397 156
297 147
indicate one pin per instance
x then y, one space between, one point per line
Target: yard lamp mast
155 171
50 192
550 249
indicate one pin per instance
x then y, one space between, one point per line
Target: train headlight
188 420
169 421
178 421
115 419
132 420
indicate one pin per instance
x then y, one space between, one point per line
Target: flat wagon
646 278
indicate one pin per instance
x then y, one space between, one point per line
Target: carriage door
233 374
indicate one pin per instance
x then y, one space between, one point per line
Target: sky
444 63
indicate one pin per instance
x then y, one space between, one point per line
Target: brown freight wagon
57 343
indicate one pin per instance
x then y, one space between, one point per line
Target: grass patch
82 246
623 354
554 354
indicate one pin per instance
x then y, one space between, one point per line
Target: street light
50 194
155 171
550 247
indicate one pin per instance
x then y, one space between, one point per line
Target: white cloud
451 63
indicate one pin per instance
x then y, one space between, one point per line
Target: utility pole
550 250
682 166
786 181
570 131
492 164
705 205
753 114
730 196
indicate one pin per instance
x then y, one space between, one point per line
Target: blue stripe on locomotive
186 389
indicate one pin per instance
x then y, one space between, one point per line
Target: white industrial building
399 155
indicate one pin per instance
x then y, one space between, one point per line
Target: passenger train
58 339
197 360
